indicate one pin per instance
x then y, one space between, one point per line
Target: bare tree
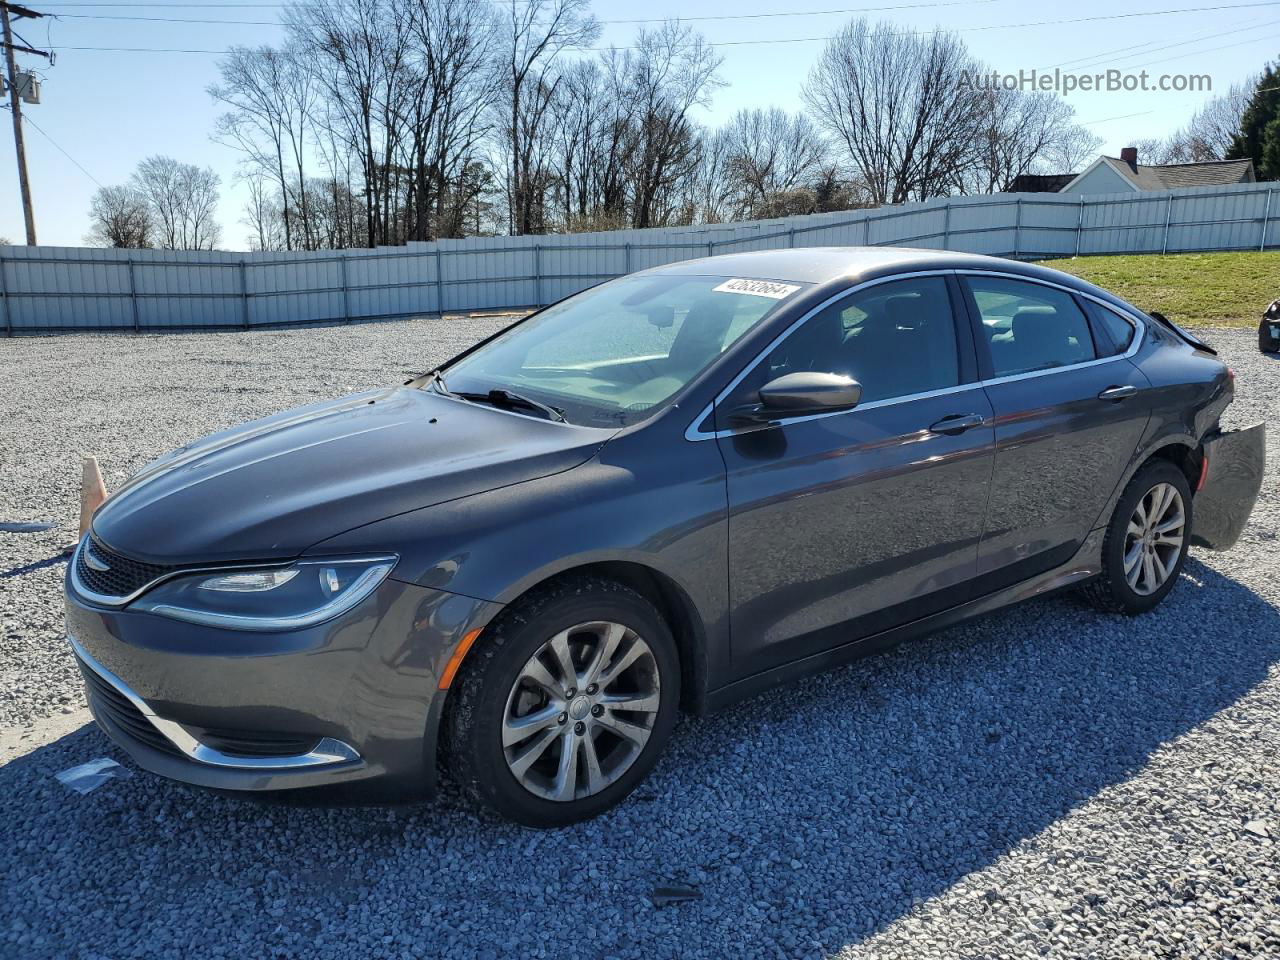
772 152
454 89
534 33
1021 133
265 214
673 71
1210 131
592 120
898 105
183 200
710 193
119 217
1072 152
359 51
270 94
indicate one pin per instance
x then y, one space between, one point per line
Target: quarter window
895 339
1116 333
1029 326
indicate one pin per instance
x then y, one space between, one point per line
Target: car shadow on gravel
808 818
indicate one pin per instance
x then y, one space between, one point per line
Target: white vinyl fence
67 288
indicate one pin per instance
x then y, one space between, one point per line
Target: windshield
613 354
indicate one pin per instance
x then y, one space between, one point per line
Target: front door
845 524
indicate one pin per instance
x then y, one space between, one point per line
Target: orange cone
92 492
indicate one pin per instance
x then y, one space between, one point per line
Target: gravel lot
1044 782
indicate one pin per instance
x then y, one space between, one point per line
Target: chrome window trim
1134 345
692 433
326 751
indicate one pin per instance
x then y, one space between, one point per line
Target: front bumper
1234 463
351 705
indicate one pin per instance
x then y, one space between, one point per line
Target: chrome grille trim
88 547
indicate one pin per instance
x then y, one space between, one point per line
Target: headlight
275 598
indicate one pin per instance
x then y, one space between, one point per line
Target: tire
1114 590
513 682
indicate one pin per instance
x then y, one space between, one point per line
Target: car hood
269 489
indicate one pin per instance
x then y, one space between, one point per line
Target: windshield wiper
508 400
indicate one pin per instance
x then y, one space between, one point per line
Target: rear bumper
349 708
1233 478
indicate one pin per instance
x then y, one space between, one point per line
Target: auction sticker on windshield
758 288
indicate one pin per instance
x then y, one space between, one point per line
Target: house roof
1040 182
1170 175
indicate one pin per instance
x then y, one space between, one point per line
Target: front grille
240 743
123 575
121 712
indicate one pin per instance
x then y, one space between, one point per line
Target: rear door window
1029 326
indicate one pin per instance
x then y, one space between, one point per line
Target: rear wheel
566 705
1146 541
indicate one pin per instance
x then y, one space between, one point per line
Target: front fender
664 513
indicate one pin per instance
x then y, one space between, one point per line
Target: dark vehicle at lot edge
667 492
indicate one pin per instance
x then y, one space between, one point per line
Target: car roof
822 265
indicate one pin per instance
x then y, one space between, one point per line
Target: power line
1006 26
717 17
1168 46
1225 46
1123 116
803 13
934 4
27 118
108 16
170 6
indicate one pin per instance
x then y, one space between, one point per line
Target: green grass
1192 289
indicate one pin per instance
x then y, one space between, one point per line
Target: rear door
845 524
1069 411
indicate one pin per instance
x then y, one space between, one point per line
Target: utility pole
10 11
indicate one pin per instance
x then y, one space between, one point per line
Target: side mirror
800 394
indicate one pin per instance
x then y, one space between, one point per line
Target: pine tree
1259 136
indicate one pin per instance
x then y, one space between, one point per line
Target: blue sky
108 109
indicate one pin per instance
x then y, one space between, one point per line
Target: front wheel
565 704
1146 541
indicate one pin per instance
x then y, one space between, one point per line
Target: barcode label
758 288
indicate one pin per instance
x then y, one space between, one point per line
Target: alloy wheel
1154 539
581 710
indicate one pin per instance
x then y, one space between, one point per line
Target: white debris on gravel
1047 781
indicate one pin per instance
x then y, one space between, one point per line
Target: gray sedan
667 492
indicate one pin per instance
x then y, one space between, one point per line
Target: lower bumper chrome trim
328 751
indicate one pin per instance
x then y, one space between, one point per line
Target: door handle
958 423
1118 393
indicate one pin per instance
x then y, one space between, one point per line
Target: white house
1117 175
